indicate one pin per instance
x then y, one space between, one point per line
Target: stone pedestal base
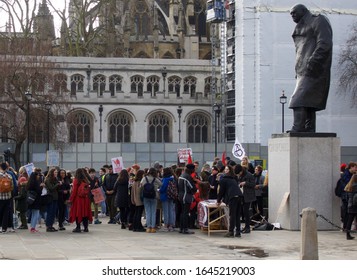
303 170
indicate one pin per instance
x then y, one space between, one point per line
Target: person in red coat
80 202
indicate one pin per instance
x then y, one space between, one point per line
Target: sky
58 4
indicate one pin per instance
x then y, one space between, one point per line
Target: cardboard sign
98 196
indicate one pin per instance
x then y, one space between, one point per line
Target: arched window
197 128
80 127
189 86
39 83
208 86
159 128
119 127
60 84
174 85
207 89
115 84
99 85
152 84
76 84
137 85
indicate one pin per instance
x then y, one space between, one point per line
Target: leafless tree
25 67
348 66
84 35
20 75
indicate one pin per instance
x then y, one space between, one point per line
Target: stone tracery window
189 86
152 85
159 128
76 84
80 127
99 84
207 89
60 84
119 125
197 128
137 85
115 84
174 85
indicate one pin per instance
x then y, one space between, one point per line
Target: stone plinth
303 170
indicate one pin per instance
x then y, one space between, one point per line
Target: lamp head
164 72
179 110
28 94
283 98
48 105
216 108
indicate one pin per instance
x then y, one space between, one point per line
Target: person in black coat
35 185
212 179
108 188
231 194
121 188
247 183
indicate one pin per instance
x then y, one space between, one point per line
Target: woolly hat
136 166
190 166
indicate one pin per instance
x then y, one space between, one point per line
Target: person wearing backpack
6 187
150 185
168 198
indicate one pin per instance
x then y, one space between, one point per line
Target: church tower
43 24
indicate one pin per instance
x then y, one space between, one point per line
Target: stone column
309 245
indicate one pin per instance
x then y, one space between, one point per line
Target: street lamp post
217 111
164 74
179 112
48 105
28 95
283 100
88 71
100 109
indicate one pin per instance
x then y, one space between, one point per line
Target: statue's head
297 12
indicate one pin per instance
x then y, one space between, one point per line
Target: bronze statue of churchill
313 43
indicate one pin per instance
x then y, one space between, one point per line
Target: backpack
340 186
149 189
6 184
172 192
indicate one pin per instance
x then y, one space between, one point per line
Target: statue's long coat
313 42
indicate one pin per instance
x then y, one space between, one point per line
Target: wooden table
211 217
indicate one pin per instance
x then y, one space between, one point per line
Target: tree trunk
16 155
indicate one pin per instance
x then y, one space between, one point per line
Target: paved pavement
110 242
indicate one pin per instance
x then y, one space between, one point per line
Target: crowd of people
59 197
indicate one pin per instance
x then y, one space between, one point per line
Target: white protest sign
117 164
238 150
183 154
29 168
53 158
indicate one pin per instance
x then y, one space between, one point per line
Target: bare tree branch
348 66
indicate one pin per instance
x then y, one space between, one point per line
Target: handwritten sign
117 164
